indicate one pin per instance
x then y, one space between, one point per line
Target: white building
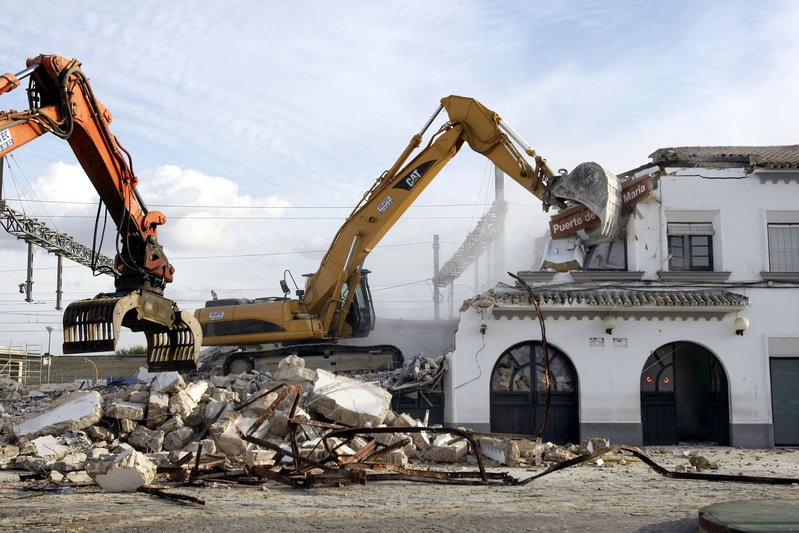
684 329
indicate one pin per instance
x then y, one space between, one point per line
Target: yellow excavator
336 303
61 102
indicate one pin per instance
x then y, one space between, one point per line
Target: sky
256 126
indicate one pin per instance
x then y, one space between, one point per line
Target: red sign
580 217
649 379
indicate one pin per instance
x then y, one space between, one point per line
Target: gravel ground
617 496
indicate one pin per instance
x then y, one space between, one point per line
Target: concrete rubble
121 436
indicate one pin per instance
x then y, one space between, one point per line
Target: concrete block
8 453
209 446
405 420
138 396
256 457
125 472
503 451
212 410
394 457
196 390
261 404
72 412
223 431
178 438
157 408
98 433
171 424
126 410
447 453
181 403
126 426
146 440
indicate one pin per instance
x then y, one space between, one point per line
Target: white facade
732 198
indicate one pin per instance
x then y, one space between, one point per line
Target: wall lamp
608 324
741 324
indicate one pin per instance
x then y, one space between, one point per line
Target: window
607 256
690 246
783 247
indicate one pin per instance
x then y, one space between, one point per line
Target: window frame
687 234
793 254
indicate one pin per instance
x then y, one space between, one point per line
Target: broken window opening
610 255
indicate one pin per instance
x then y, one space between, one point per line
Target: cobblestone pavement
621 495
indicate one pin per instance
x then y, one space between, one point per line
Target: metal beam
36 232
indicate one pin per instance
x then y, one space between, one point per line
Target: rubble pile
299 426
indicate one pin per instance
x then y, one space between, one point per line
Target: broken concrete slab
503 451
296 375
125 410
196 389
73 411
125 472
70 463
182 403
168 382
348 401
48 447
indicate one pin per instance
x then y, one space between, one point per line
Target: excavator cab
361 316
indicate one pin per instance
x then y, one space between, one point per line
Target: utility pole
50 330
436 290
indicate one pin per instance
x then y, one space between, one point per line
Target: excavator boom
61 102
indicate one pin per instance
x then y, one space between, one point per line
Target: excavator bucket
173 336
596 188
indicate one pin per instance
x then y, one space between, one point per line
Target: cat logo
413 176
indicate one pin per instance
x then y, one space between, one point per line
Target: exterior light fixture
741 324
608 323
483 328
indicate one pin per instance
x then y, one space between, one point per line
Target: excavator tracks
335 357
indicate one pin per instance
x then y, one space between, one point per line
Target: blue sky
255 126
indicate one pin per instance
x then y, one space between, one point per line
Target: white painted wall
739 206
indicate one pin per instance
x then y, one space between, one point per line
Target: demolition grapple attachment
596 188
173 336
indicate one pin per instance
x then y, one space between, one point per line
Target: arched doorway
684 396
518 402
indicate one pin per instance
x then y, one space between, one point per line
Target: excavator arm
61 102
330 291
323 309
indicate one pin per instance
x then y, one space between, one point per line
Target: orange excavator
61 102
